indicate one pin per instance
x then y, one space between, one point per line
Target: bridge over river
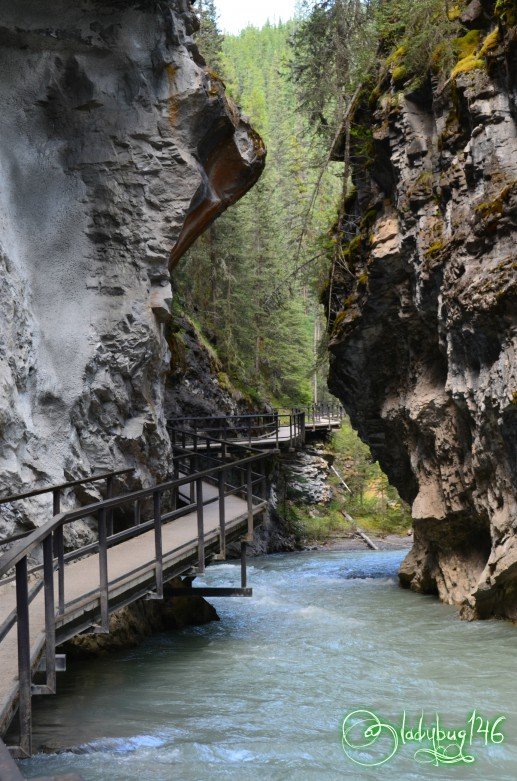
51 590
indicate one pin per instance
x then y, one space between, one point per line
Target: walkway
144 539
138 541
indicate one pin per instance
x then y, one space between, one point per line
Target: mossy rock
467 49
494 208
506 11
399 74
490 43
434 249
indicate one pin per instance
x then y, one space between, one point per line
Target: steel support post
244 574
222 514
50 615
158 543
103 570
249 497
24 658
200 528
109 512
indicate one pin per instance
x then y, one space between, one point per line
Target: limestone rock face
117 149
423 348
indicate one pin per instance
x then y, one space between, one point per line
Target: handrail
235 460
62 486
55 490
9 559
247 427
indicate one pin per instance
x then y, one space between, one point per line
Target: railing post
290 430
249 431
50 616
277 422
249 498
192 464
56 501
24 657
59 550
175 490
222 514
244 576
200 527
103 570
109 512
302 414
137 513
158 543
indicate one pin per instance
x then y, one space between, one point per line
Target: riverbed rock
424 340
118 148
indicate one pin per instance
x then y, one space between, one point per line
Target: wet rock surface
423 348
118 148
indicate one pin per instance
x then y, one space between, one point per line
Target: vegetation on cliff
370 502
238 280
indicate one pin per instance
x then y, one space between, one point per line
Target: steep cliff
423 343
118 147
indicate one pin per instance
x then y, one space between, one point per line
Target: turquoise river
262 693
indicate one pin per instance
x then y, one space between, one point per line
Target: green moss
495 207
454 13
343 313
374 96
491 42
506 11
468 44
224 381
434 249
368 219
396 56
362 279
177 349
352 250
466 65
514 397
399 74
466 49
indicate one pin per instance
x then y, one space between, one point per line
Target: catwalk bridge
137 540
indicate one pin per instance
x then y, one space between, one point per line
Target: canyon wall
423 305
118 147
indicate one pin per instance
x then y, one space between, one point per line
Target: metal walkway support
144 539
216 492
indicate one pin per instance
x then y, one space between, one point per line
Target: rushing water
262 693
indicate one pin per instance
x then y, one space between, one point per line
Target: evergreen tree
209 38
227 279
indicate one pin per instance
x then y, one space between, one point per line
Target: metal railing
316 414
254 428
234 469
57 491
